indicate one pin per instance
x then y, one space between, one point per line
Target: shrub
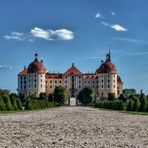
143 105
130 105
98 104
19 104
8 104
43 96
13 102
38 104
136 104
111 96
116 105
50 97
2 104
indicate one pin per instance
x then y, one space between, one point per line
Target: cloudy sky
74 31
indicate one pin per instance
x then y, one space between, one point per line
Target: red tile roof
119 80
107 67
72 70
54 76
24 72
36 67
89 76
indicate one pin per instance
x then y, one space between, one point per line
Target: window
51 86
101 86
114 86
79 77
41 85
29 85
79 81
34 85
41 75
34 80
21 87
55 81
108 86
79 86
41 80
50 81
60 81
108 81
102 81
65 81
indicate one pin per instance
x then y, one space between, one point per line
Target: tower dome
36 66
107 66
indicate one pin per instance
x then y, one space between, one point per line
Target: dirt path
73 127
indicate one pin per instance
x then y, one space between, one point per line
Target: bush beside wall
38 104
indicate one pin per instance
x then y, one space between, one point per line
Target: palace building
36 79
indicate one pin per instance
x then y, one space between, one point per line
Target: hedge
38 104
116 105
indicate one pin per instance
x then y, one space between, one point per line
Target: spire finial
36 56
108 54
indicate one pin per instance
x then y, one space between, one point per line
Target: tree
128 92
121 105
142 96
22 97
136 104
50 97
130 105
111 96
7 102
2 104
143 105
19 104
60 95
122 98
4 92
13 101
87 96
43 96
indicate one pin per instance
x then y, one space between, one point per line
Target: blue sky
74 31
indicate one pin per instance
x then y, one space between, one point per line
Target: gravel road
73 127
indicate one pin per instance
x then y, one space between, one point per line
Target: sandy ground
73 127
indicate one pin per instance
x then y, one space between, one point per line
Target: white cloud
132 40
40 33
60 34
16 36
99 15
113 13
116 27
105 24
5 66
